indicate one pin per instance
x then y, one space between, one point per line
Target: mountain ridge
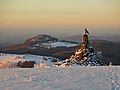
110 49
76 38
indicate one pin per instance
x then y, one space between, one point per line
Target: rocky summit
84 56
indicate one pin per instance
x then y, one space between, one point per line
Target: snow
65 78
31 47
67 44
56 44
14 58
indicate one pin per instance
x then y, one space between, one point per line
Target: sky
59 17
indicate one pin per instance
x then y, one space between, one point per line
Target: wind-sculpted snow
67 78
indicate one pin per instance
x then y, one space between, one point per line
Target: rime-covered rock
85 55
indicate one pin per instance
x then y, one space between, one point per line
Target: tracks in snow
112 79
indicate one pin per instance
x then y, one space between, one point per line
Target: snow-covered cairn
85 56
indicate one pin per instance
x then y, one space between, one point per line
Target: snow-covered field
54 45
58 44
56 78
65 78
9 60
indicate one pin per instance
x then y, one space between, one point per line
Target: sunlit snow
14 58
67 78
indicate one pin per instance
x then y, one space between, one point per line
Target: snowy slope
72 78
58 44
53 45
14 58
47 41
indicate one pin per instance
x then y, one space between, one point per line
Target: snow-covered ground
56 78
8 59
67 78
58 44
54 45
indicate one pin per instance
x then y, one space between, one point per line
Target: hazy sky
60 17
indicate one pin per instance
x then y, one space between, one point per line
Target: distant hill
5 44
110 50
62 49
77 38
40 44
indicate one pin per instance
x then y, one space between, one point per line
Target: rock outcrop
85 56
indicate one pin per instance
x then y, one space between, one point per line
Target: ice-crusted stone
84 56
